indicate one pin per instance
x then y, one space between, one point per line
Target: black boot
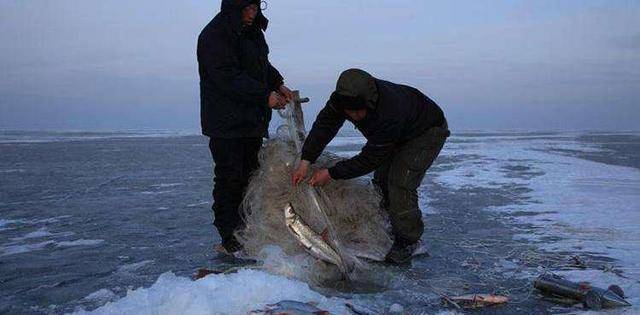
231 245
400 252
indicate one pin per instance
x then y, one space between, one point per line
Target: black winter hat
235 6
356 89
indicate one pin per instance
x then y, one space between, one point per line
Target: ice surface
101 296
134 266
8 171
4 222
80 242
396 308
47 137
23 248
42 232
486 165
18 248
198 204
38 239
354 140
585 206
237 293
347 154
156 192
165 185
47 220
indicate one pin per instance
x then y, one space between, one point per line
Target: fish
477 300
288 312
593 297
287 307
287 304
313 242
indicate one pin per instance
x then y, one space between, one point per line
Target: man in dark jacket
238 89
405 131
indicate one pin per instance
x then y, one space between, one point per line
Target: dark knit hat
356 89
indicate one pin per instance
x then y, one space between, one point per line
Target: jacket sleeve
378 149
275 78
324 129
223 69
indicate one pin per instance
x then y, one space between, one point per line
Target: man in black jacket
405 131
238 89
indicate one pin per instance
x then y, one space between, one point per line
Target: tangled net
353 211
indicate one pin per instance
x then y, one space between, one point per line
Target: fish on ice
592 297
290 308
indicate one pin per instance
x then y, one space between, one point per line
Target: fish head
288 212
611 300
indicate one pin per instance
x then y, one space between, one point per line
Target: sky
491 65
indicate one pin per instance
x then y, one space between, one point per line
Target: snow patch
237 293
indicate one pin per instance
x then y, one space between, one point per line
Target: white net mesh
357 226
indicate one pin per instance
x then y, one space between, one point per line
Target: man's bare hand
300 173
286 92
276 101
320 178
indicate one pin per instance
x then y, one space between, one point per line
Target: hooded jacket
236 76
395 114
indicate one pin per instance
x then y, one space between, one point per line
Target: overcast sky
491 65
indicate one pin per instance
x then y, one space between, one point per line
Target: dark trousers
234 162
399 178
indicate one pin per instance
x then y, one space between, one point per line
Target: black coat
401 113
236 76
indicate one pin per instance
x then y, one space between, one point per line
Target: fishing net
348 209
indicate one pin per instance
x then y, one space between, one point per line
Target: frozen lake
118 222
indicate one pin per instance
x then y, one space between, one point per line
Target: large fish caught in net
347 212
